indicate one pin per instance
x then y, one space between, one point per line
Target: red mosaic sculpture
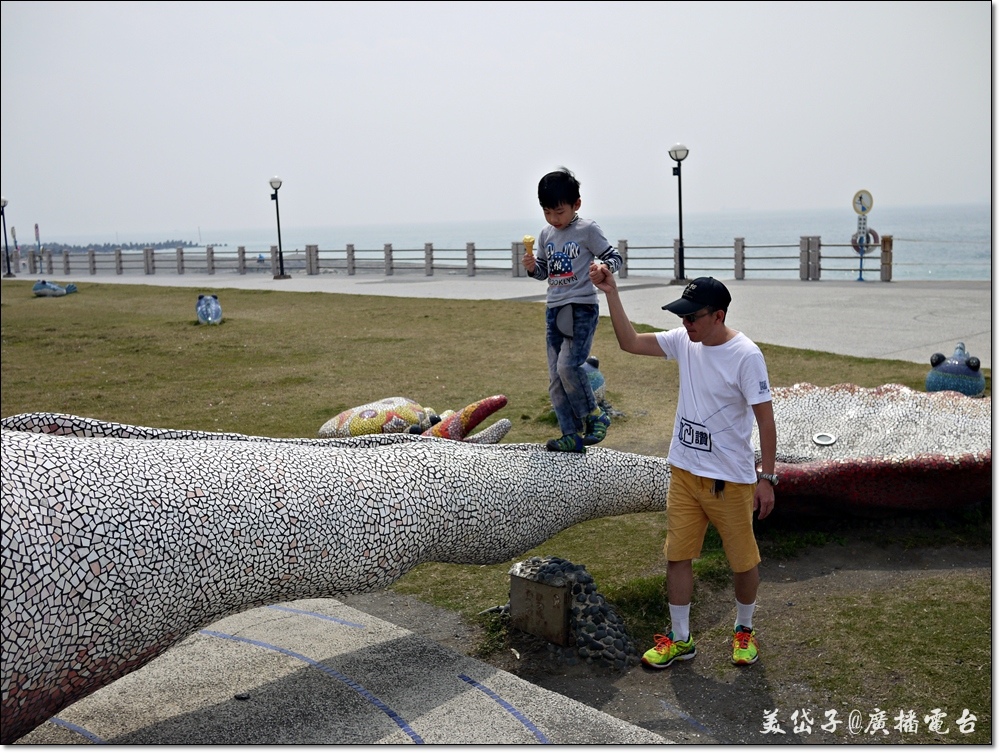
888 448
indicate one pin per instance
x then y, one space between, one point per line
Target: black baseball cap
699 293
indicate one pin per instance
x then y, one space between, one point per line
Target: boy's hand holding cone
529 256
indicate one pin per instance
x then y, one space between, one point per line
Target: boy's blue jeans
569 386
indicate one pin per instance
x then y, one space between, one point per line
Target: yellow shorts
692 504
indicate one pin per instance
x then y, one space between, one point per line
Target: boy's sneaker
597 428
566 443
667 651
744 645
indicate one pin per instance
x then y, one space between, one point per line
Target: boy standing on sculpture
724 388
567 247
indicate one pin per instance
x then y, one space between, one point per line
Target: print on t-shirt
561 264
694 435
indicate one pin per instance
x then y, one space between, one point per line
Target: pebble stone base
596 628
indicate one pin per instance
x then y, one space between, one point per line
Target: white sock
679 618
744 615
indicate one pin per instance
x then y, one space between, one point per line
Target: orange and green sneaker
667 651
744 645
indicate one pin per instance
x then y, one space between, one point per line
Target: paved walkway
319 671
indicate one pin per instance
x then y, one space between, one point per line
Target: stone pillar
210 259
180 260
387 251
148 262
739 258
623 250
241 259
350 258
470 259
885 272
428 259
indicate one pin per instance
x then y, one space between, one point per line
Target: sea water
929 243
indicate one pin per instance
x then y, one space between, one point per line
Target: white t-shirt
714 422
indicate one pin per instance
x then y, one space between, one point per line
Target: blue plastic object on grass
45 289
209 309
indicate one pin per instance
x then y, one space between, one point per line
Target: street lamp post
677 153
6 250
276 184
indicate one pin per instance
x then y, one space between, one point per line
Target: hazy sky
160 118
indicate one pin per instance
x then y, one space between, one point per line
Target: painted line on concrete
318 615
686 717
355 686
539 735
79 730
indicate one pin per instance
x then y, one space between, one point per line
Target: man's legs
680 582
745 584
686 524
678 644
691 501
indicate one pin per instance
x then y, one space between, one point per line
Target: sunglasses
692 318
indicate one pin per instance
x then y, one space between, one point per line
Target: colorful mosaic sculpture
394 415
960 373
120 541
391 415
459 425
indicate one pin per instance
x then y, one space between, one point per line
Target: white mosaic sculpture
120 541
117 544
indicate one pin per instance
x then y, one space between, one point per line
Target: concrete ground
319 671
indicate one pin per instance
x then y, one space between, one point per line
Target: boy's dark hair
559 187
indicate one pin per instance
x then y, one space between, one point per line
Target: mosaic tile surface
892 448
119 541
392 415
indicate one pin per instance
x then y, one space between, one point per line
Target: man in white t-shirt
724 388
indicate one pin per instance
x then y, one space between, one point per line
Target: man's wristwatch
772 477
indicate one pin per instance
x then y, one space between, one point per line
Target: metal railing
807 259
